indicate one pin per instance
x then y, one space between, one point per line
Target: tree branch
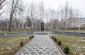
2 13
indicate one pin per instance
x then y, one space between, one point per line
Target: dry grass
76 44
10 44
79 31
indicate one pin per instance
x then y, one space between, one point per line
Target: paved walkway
40 45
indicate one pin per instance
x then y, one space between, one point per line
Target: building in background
75 22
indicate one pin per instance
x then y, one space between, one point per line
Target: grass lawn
80 31
76 44
6 32
10 45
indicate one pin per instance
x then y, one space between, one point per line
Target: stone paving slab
40 45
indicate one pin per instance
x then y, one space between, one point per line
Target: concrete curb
24 46
58 47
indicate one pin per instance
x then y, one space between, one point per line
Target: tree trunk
11 16
10 26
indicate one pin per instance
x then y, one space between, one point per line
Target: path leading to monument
40 45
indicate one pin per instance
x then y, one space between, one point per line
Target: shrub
30 37
66 50
52 37
59 42
21 43
55 39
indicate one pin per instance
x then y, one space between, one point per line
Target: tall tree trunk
11 16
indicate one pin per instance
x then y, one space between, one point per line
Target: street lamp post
32 25
26 23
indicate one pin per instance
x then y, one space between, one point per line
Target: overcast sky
55 4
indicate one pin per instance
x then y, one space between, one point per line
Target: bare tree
67 14
32 15
14 8
2 4
55 24
28 22
41 10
